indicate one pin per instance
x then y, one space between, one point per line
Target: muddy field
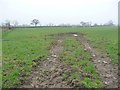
49 73
61 58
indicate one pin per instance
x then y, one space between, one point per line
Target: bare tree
8 24
15 23
95 25
109 23
84 24
35 22
50 24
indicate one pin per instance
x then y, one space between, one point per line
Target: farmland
21 46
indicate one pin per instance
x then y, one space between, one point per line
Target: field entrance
73 63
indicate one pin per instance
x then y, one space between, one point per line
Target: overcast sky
59 11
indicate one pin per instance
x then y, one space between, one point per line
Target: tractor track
48 73
107 70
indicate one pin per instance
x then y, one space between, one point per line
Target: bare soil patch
48 73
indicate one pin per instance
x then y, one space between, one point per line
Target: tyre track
107 70
49 72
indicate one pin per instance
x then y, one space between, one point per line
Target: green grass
89 83
22 45
75 55
104 39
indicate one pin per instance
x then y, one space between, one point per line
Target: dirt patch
49 73
107 70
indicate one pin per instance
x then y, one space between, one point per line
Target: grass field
22 45
105 39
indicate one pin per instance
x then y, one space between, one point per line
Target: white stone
104 62
32 85
36 86
59 41
89 47
99 61
93 55
106 83
54 56
114 78
108 75
75 35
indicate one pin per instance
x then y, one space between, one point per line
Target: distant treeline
35 23
12 27
27 26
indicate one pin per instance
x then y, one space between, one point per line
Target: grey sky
59 11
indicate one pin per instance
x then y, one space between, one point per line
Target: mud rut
107 70
48 73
